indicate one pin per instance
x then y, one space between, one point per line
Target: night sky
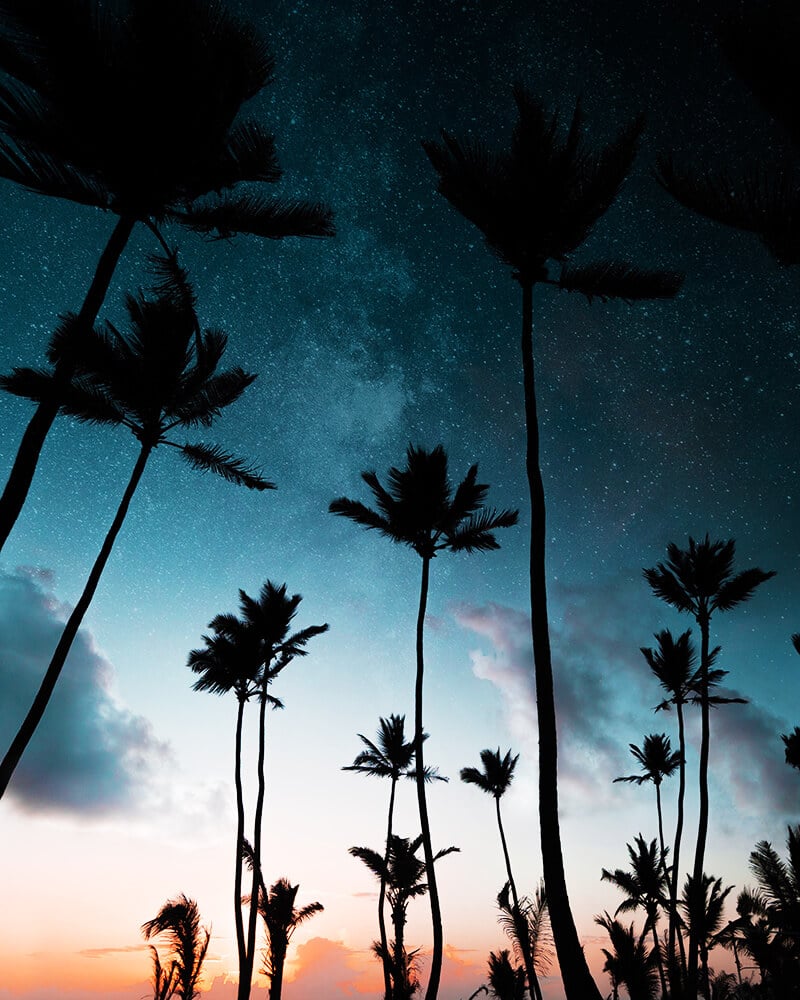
659 421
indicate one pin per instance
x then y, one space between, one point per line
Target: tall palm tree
700 581
281 919
495 779
420 509
136 112
160 376
537 202
391 757
407 877
646 887
674 664
657 761
179 921
264 625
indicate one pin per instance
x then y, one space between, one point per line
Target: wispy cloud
90 754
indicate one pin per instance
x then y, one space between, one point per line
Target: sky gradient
659 421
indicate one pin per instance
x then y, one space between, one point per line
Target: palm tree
506 981
657 761
703 903
528 923
646 886
629 964
537 202
674 664
421 510
791 745
179 920
136 112
700 581
281 919
391 757
264 626
495 779
403 874
165 978
160 376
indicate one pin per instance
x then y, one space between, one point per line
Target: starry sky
659 421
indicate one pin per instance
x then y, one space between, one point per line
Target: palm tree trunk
524 940
237 878
436 915
702 823
246 980
676 976
659 959
53 672
578 982
385 958
27 457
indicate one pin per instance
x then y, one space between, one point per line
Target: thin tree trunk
385 957
37 709
27 457
578 982
676 976
524 942
237 878
246 981
659 959
436 915
702 823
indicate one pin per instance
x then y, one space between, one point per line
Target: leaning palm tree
179 921
281 919
700 581
420 509
391 757
495 779
264 625
407 877
657 761
135 110
537 202
160 376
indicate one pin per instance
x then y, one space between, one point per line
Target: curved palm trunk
27 457
53 672
385 957
237 877
524 938
695 944
578 982
246 979
676 975
436 915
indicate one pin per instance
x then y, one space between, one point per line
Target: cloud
90 754
325 968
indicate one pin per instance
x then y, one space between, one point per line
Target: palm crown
497 773
656 758
420 508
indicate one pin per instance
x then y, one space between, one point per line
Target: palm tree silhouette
262 633
657 761
700 581
391 757
495 779
165 980
403 874
529 923
506 981
281 919
160 376
179 920
420 509
136 113
703 903
536 202
645 886
629 963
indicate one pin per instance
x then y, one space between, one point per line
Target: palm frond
740 588
612 280
270 218
211 458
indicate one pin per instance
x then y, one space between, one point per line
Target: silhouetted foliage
281 919
178 921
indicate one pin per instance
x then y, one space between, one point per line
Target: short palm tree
646 887
165 978
160 376
506 981
262 634
703 904
537 202
420 509
281 919
528 925
495 779
700 581
391 757
136 112
406 877
657 761
628 963
178 921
